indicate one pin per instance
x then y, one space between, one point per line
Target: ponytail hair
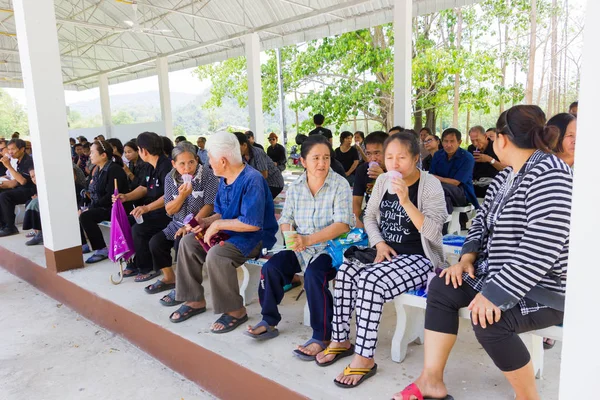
524 125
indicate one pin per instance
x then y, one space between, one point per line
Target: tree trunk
418 114
457 75
565 79
541 89
430 119
468 123
553 51
532 44
297 117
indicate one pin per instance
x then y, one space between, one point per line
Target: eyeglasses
428 141
271 139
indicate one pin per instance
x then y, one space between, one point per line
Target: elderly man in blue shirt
244 211
453 166
202 153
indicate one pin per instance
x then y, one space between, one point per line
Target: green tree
122 118
12 116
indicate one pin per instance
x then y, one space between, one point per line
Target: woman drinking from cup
190 189
318 208
403 220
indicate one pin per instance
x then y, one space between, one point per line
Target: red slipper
413 390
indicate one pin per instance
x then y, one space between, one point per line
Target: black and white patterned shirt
260 161
204 191
521 235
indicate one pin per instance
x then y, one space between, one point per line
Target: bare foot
312 349
259 330
321 358
357 362
235 314
192 304
436 390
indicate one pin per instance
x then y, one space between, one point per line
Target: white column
42 78
105 105
254 87
402 62
580 352
162 67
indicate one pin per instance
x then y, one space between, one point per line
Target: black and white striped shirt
521 235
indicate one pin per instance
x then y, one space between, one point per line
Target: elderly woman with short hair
244 211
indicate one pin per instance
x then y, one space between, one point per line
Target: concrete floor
48 352
470 374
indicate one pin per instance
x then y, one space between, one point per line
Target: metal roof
124 37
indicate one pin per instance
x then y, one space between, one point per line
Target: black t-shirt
484 169
426 163
155 181
363 185
23 168
260 146
321 131
347 158
397 229
277 154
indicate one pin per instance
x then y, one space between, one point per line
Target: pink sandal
413 390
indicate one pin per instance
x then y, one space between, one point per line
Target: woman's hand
185 189
138 211
120 196
454 273
384 252
301 242
181 231
483 311
401 189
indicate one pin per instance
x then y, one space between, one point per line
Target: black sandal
159 286
186 312
172 301
229 322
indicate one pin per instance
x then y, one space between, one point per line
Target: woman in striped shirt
513 266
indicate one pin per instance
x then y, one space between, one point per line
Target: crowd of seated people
213 204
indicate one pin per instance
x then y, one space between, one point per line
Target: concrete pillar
580 353
162 67
105 105
402 62
254 87
42 78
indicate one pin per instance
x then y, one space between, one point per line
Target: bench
410 322
251 280
454 218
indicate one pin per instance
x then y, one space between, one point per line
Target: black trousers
501 339
32 220
275 191
142 233
9 199
160 247
88 225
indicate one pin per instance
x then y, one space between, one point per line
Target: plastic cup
140 219
373 164
392 175
289 240
187 178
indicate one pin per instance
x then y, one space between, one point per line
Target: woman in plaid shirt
318 208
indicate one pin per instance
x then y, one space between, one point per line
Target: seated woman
244 211
405 228
318 207
181 199
100 191
135 168
432 144
31 219
150 211
565 146
501 276
117 150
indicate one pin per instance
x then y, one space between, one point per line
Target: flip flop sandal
30 234
146 277
270 333
366 373
548 345
339 353
186 312
291 286
229 322
132 272
308 357
413 390
172 302
96 258
159 286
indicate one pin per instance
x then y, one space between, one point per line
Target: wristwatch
493 161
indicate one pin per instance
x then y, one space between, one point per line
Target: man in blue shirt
244 212
453 166
202 153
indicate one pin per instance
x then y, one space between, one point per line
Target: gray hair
224 144
478 128
183 147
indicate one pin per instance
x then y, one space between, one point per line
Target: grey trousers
221 263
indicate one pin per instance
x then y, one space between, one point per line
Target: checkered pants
367 287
